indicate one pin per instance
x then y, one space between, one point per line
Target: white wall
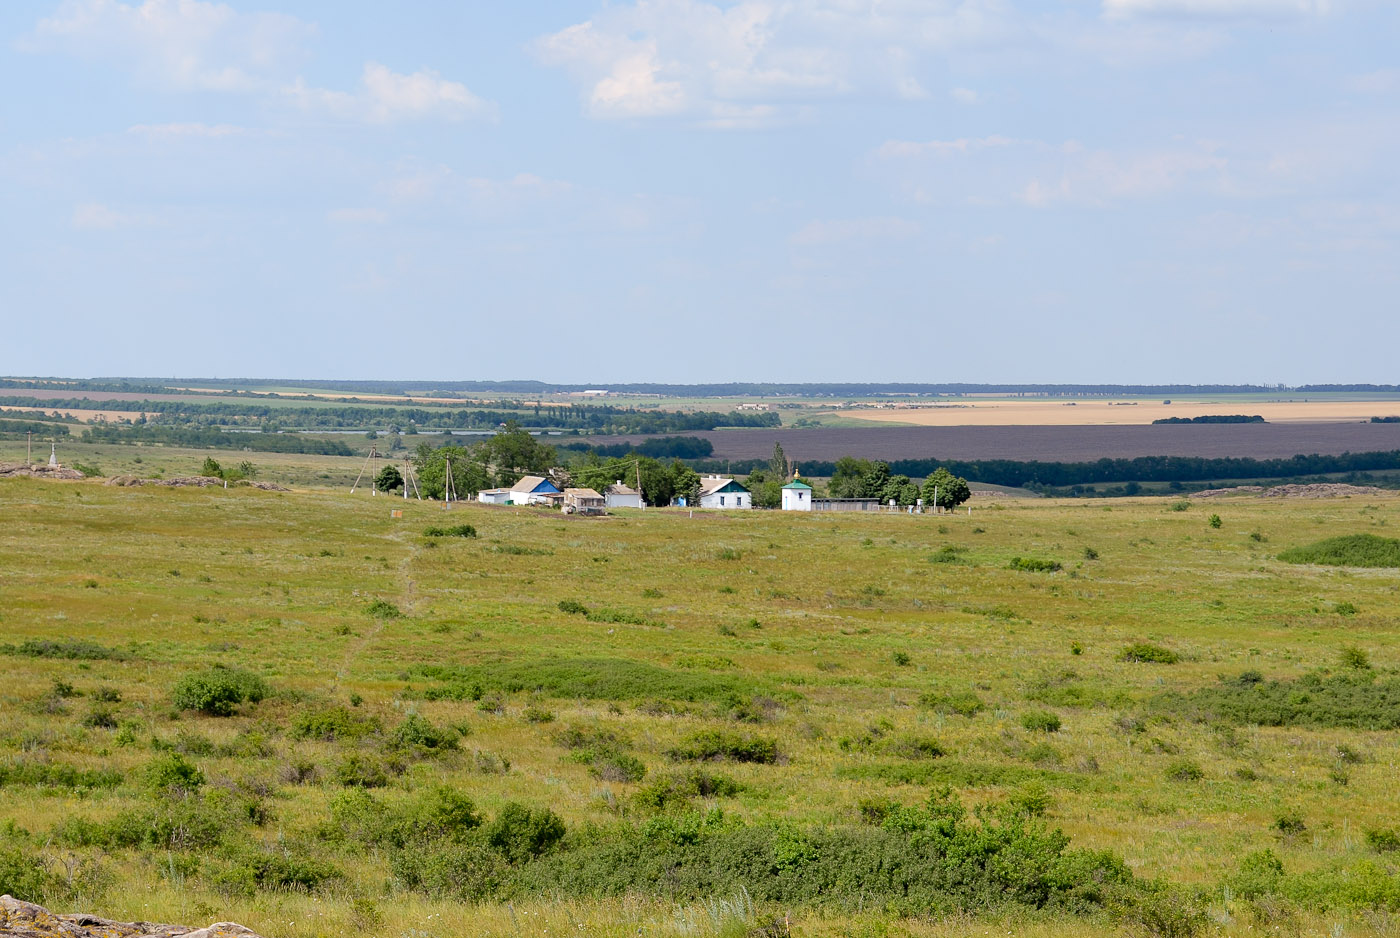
731 500
797 500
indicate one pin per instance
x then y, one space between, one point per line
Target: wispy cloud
94 216
181 45
1215 8
845 230
386 96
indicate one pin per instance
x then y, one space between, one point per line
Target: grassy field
882 656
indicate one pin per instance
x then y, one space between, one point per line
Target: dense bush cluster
1356 700
1352 550
218 691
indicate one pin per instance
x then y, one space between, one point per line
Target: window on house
721 501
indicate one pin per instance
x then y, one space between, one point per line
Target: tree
848 480
952 491
778 465
685 483
515 453
899 489
389 479
212 469
765 487
469 474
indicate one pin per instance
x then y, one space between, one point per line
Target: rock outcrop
26 920
1313 490
10 470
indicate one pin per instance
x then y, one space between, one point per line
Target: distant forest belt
1050 444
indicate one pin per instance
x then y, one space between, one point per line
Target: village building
584 502
494 496
622 496
846 504
797 496
723 492
533 490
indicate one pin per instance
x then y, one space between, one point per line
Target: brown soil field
86 416
1001 413
1053 444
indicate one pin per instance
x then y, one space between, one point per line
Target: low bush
173 774
573 607
675 791
456 530
56 775
581 678
1147 652
965 704
417 735
1352 550
246 871
1035 565
1184 770
1356 700
521 833
383 609
24 875
218 691
1383 840
333 723
719 745
1040 721
360 770
72 649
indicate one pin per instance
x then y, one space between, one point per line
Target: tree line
591 417
214 438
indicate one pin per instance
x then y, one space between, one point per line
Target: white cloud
965 96
659 58
179 44
841 231
386 96
1215 8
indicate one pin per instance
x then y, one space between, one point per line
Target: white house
622 496
584 502
494 496
531 489
797 496
723 492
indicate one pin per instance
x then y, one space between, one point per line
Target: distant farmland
1061 444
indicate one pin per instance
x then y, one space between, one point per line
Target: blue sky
678 190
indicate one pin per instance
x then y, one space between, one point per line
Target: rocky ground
25 920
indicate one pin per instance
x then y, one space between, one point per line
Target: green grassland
845 664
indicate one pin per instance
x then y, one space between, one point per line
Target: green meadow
1045 718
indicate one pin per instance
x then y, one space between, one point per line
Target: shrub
250 870
107 695
415 734
1290 822
56 775
1184 770
675 790
1035 565
534 714
901 658
218 691
1145 651
1355 659
1345 609
24 875
383 609
172 773
1032 799
716 745
1353 550
1354 699
573 607
964 704
581 678
66 648
1041 721
1383 840
331 724
100 716
358 770
1214 521
456 530
948 554
466 872
1090 554
520 833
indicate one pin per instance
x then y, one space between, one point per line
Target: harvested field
1057 444
1058 413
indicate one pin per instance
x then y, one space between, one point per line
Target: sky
1132 191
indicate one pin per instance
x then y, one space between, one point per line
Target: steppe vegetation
1047 718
